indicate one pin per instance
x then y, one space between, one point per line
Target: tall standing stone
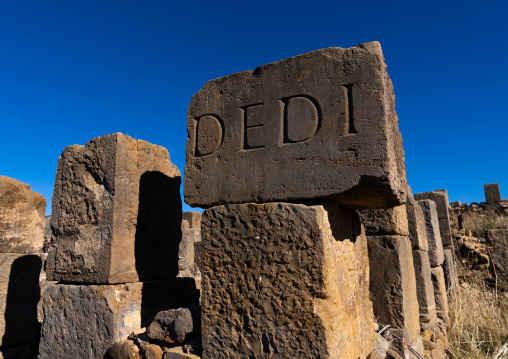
492 193
497 242
22 217
424 288
286 281
318 125
416 224
116 213
440 197
436 255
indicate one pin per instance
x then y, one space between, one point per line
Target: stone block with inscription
440 197
117 213
492 193
285 281
318 125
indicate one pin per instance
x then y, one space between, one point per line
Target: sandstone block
416 223
425 288
285 280
22 217
84 321
492 193
20 292
116 213
440 197
392 283
450 270
438 282
385 221
318 125
436 255
497 242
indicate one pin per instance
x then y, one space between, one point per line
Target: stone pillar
283 279
492 193
191 238
116 228
22 223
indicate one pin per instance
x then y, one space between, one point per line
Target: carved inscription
253 126
209 134
302 118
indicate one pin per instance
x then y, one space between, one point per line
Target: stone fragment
416 223
20 292
436 255
424 287
492 193
175 325
178 354
318 125
22 217
151 351
392 283
191 234
385 221
438 282
440 197
450 270
497 242
83 321
116 213
124 350
285 280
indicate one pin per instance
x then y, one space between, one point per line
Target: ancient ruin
311 244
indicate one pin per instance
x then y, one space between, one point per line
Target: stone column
115 237
22 279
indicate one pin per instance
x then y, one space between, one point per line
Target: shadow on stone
23 294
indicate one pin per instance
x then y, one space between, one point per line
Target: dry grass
480 223
478 321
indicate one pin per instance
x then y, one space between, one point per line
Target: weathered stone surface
392 283
440 197
450 270
438 282
492 193
124 350
116 213
22 217
385 221
194 219
191 234
151 351
424 288
20 292
175 325
416 223
285 280
436 255
497 242
173 353
84 321
318 125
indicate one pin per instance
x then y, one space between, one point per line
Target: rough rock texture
424 288
124 350
116 213
84 321
497 242
492 193
151 351
436 255
450 270
175 325
392 283
416 223
438 282
285 281
318 125
440 197
385 221
20 291
22 217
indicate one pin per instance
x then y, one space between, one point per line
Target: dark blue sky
74 70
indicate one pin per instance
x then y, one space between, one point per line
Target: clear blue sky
74 70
